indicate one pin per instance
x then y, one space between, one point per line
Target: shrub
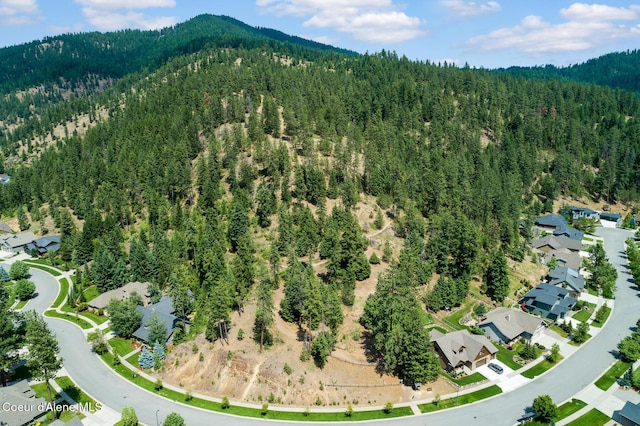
265 409
158 385
287 369
240 334
374 260
225 403
349 411
388 407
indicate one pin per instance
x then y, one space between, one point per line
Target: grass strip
466 398
612 374
606 312
593 417
568 408
21 304
52 271
253 412
64 291
69 317
93 317
538 369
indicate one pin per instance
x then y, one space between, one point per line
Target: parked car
496 368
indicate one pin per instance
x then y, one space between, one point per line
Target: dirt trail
251 381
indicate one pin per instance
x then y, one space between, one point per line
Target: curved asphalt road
561 383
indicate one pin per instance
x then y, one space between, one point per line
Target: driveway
561 383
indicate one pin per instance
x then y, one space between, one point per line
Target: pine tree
158 350
145 360
497 277
43 358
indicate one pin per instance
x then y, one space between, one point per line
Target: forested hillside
617 70
238 167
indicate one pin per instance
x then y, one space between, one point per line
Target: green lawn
133 359
592 292
573 343
298 416
558 330
568 408
64 291
454 319
75 393
505 356
599 324
40 390
538 369
91 293
121 346
583 315
461 400
612 374
21 304
95 318
466 380
593 417
69 317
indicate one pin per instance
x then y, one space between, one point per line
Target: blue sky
481 33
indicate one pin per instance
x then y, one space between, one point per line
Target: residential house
578 213
568 232
4 178
44 245
21 395
121 293
564 257
164 310
610 219
551 221
629 415
548 301
567 278
551 242
461 351
5 228
509 325
16 242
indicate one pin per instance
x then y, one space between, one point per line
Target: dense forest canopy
213 173
618 70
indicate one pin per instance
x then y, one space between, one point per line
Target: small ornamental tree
129 417
174 419
627 378
158 350
145 360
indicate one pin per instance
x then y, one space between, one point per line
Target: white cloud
19 12
598 12
470 8
366 20
111 15
586 27
65 29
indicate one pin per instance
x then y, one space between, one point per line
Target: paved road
560 383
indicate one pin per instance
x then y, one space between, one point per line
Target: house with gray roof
5 228
164 311
16 242
629 415
462 351
551 242
569 232
578 213
509 325
44 245
551 221
548 301
564 257
567 278
611 218
20 394
121 293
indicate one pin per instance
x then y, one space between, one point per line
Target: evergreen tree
145 360
157 329
9 338
158 350
123 316
497 277
264 314
43 358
